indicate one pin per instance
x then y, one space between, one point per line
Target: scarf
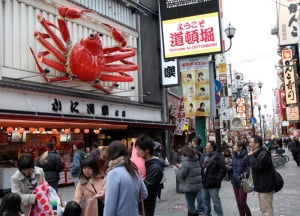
31 180
113 164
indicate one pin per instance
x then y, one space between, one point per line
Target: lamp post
264 135
260 128
229 31
250 90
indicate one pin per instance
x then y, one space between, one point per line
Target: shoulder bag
247 183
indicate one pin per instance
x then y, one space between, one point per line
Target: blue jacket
77 159
122 193
240 166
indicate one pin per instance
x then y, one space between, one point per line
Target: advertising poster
195 86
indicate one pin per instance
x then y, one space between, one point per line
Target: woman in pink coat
90 188
138 161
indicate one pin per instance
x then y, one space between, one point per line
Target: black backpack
278 181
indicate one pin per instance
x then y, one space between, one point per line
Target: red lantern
96 131
31 129
86 130
41 129
21 130
76 130
54 131
9 129
67 131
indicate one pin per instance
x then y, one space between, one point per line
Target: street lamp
260 128
264 135
250 90
229 31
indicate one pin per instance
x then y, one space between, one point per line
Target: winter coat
154 175
240 167
19 186
139 162
77 159
213 170
122 193
189 175
52 166
262 170
85 191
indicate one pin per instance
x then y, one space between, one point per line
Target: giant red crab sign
87 60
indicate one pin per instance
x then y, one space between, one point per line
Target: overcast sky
253 51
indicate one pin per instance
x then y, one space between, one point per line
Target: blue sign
252 120
218 85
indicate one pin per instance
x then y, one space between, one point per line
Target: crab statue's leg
107 90
68 12
49 62
116 34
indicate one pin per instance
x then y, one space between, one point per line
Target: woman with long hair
11 205
240 167
124 187
90 187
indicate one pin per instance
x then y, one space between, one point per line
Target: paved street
286 202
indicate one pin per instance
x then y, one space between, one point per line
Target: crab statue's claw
71 13
116 34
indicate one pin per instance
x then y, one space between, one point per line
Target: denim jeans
190 199
200 205
213 194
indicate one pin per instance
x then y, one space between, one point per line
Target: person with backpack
262 170
78 156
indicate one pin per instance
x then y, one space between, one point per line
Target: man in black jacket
154 172
260 161
213 171
52 166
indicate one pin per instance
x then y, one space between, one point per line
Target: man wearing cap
52 165
78 156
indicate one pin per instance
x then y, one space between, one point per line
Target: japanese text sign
289 76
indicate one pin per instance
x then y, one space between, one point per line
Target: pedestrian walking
124 187
189 174
78 156
213 170
90 188
25 180
11 205
240 168
96 153
295 149
154 172
263 174
51 163
138 161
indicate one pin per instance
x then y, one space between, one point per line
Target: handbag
278 181
247 183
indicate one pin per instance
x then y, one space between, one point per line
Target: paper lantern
76 130
31 129
21 130
54 131
86 130
9 129
96 131
67 131
41 129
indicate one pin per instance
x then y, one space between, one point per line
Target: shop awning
7 120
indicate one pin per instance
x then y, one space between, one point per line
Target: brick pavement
286 202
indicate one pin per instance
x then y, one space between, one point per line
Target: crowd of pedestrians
115 181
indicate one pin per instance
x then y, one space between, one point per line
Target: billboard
195 86
288 12
190 27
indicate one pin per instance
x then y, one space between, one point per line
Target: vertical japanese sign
190 27
180 119
292 113
169 72
289 76
195 86
288 12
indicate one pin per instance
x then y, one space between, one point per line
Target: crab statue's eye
91 35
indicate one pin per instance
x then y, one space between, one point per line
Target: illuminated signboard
190 27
